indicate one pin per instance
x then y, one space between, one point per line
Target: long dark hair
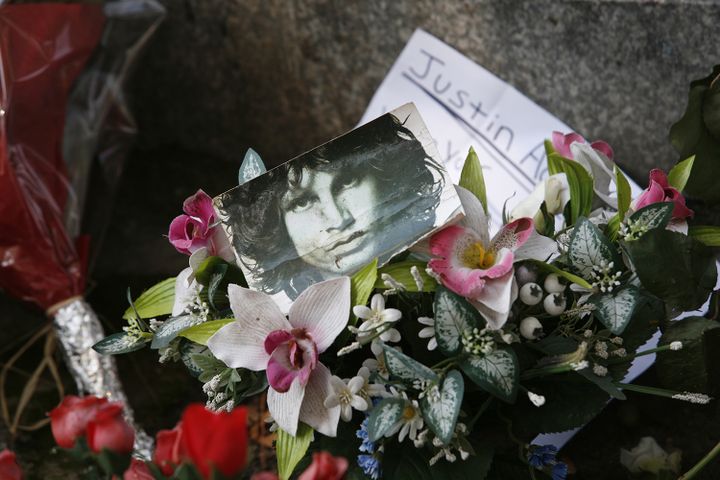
255 216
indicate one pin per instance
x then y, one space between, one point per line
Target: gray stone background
283 76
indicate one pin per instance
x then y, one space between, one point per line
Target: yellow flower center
475 256
408 412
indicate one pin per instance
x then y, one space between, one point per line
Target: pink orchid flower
475 266
196 228
288 349
659 190
562 142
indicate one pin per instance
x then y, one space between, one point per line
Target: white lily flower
428 332
347 396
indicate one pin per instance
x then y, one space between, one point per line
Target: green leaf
655 215
405 368
453 316
686 369
362 284
384 416
588 247
548 267
580 184
606 383
706 234
400 271
624 193
615 310
119 343
213 265
155 301
112 462
215 286
202 333
171 328
189 353
441 411
471 177
680 173
496 373
711 108
290 450
675 268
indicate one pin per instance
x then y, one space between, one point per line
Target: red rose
69 420
138 470
325 467
110 430
215 440
9 469
169 451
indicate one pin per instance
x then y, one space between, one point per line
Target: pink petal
461 280
285 407
513 235
276 338
178 234
238 347
561 143
313 411
200 206
503 264
495 300
280 373
445 242
654 194
323 310
603 147
660 177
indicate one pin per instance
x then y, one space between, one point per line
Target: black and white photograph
370 193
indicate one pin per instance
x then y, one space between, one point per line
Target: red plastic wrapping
42 51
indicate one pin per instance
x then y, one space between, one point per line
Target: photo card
371 193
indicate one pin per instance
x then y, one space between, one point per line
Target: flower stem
631 357
701 464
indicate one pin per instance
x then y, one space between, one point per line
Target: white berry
531 328
554 303
531 293
553 284
524 275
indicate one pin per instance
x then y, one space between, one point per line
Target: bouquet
448 359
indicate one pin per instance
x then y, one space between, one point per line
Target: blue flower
367 445
542 455
370 465
559 471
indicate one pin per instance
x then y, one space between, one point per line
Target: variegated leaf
453 315
655 215
170 329
496 373
405 368
441 408
588 247
384 416
190 352
615 309
118 343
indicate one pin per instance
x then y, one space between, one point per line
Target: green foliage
694 366
113 463
408 462
453 316
471 178
580 184
171 328
589 248
624 195
616 309
406 368
698 133
400 271
202 333
550 268
680 173
119 343
290 450
683 276
497 372
655 215
707 234
362 284
441 411
189 351
154 302
606 383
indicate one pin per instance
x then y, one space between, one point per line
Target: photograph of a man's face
370 193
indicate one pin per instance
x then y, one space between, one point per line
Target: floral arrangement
448 361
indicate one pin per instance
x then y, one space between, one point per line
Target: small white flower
419 282
349 348
377 364
537 400
376 317
410 423
677 345
699 398
347 396
428 332
600 370
369 390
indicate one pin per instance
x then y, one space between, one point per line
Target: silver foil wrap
78 329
